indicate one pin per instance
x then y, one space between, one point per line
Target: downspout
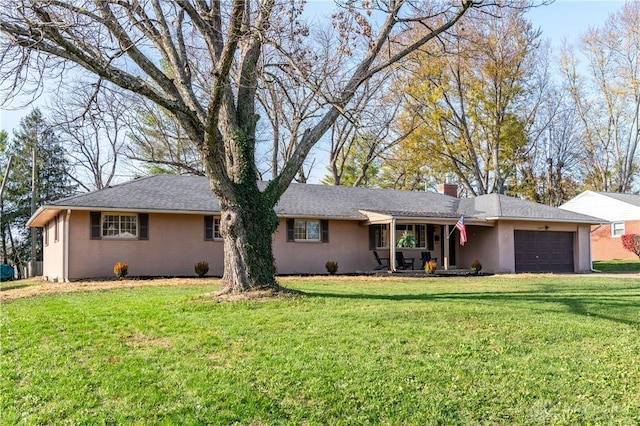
65 268
392 243
590 255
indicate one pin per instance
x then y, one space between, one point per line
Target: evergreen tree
52 181
357 163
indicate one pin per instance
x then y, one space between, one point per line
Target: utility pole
34 186
550 189
6 177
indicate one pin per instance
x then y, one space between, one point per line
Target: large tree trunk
202 62
247 225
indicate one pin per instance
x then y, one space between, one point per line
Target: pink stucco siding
348 245
494 247
481 244
176 243
53 250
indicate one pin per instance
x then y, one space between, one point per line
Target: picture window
119 226
306 230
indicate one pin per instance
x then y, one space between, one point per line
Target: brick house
620 215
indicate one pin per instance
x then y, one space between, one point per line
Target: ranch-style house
162 225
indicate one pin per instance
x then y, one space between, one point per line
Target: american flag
463 230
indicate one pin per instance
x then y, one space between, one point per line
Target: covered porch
435 239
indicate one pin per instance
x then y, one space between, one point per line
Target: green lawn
479 350
617 266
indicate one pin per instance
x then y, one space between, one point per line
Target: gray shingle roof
159 192
192 194
492 206
343 201
632 199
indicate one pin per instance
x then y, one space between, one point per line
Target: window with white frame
418 231
212 228
119 226
306 230
424 235
617 229
302 230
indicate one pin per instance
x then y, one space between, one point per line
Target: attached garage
544 251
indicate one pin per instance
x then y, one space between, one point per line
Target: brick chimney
450 189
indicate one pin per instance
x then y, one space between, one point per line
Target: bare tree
201 61
553 172
158 142
5 169
607 97
91 123
288 107
359 138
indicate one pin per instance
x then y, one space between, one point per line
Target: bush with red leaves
631 242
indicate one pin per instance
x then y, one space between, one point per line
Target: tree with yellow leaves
475 96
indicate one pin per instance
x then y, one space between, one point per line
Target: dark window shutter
95 225
430 237
143 231
290 223
324 229
372 237
420 242
208 228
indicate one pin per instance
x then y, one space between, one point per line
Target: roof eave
435 220
33 220
312 216
40 218
533 219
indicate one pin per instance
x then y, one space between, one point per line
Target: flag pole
450 233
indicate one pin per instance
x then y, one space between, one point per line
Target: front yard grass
617 266
13 284
523 350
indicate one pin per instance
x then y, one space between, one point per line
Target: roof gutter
43 209
435 220
35 215
311 216
529 219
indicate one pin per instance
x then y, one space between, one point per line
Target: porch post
392 244
445 262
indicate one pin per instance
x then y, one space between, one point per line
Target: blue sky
571 18
564 19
